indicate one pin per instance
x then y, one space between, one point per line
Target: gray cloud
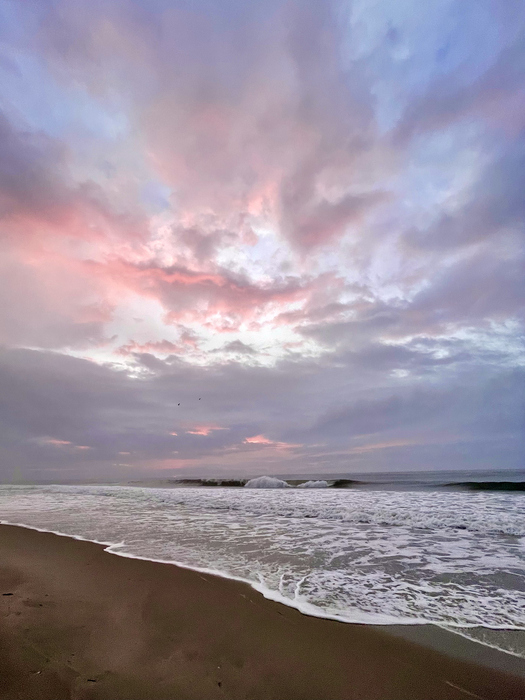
494 204
448 98
237 346
29 165
53 408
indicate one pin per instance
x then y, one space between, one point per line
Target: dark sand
82 623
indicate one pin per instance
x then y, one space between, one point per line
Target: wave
490 485
393 481
239 483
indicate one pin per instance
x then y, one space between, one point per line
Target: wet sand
78 622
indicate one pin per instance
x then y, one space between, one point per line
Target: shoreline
81 621
435 636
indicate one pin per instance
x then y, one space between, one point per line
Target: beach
79 622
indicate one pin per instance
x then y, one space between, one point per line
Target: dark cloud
74 417
370 417
237 346
431 427
30 181
479 289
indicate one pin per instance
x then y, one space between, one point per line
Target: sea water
454 559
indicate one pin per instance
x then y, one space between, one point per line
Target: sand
78 622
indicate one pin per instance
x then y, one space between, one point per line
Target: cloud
264 443
52 441
238 347
162 347
476 289
204 430
30 183
492 205
324 221
48 222
221 300
490 95
258 440
305 416
258 104
308 215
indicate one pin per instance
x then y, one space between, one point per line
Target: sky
265 237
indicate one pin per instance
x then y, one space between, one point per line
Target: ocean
405 553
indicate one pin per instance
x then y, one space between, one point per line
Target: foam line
269 594
302 606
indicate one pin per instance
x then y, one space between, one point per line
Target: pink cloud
259 440
55 442
204 430
55 299
180 289
84 256
263 441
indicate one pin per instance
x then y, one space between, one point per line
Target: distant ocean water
453 558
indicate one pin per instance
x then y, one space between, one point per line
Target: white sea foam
266 482
313 485
454 559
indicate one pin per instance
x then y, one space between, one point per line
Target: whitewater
454 559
